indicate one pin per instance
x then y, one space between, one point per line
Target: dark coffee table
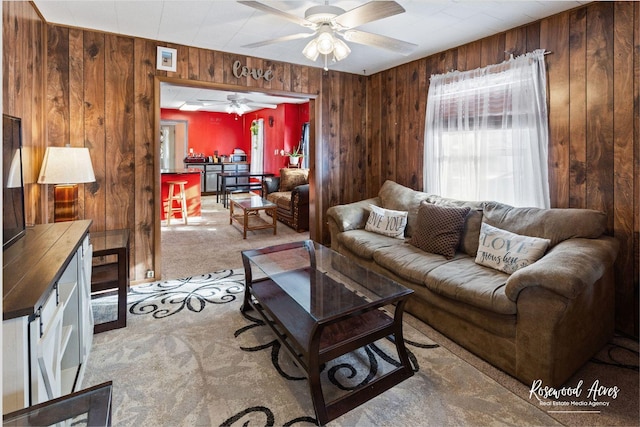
320 305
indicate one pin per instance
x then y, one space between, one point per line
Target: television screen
13 220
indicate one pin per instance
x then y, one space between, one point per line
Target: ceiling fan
236 104
331 24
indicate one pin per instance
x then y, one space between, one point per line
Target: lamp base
65 205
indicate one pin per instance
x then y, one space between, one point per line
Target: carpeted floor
188 357
210 243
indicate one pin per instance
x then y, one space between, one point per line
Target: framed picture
167 59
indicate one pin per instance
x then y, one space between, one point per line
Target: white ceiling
225 25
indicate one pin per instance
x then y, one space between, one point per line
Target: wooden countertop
35 262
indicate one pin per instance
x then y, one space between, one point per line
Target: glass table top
322 281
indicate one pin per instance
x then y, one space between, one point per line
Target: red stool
180 198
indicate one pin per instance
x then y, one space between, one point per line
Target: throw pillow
386 222
506 251
438 229
290 178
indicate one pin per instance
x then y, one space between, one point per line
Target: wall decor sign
167 59
240 70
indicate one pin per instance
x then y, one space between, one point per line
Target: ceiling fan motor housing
322 14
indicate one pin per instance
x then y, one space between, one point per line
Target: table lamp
66 167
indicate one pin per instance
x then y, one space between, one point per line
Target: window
486 135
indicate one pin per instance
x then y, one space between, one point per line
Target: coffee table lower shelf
313 343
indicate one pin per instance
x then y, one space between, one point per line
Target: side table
113 274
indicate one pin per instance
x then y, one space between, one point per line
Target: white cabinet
48 322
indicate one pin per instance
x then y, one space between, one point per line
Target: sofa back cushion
290 178
400 198
555 224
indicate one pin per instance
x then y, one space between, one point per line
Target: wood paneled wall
23 80
594 103
102 92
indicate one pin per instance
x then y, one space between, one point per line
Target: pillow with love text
386 222
506 251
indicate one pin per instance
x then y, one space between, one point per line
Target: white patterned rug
188 357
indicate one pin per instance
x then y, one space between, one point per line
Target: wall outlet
151 274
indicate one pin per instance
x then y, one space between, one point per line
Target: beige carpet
188 357
210 243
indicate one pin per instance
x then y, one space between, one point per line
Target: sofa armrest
568 268
351 216
270 185
302 191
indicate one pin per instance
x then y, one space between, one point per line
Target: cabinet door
46 383
86 312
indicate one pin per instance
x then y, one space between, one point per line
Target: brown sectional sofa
540 323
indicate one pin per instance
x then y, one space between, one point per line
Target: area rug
189 357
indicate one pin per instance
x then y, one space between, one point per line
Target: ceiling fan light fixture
311 50
341 50
326 43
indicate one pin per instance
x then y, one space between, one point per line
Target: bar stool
180 198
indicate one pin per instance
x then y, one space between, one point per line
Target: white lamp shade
341 50
66 165
311 50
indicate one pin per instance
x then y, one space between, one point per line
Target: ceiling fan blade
368 12
280 39
272 10
376 40
259 105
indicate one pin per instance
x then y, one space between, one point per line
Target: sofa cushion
464 280
506 251
553 224
290 178
408 262
400 198
365 243
281 198
438 229
471 229
386 222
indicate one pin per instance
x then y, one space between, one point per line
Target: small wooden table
111 275
249 215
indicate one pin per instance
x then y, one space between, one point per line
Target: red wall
209 132
225 132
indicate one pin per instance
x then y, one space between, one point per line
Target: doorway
174 140
207 98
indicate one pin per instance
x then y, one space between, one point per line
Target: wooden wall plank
515 42
94 126
636 171
577 109
119 115
146 226
623 117
76 101
554 37
57 97
374 135
600 76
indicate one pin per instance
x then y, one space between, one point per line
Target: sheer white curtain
486 133
257 148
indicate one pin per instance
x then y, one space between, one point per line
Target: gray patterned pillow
438 229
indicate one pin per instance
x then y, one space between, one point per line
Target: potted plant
294 156
254 127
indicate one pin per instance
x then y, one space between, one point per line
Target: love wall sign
240 70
